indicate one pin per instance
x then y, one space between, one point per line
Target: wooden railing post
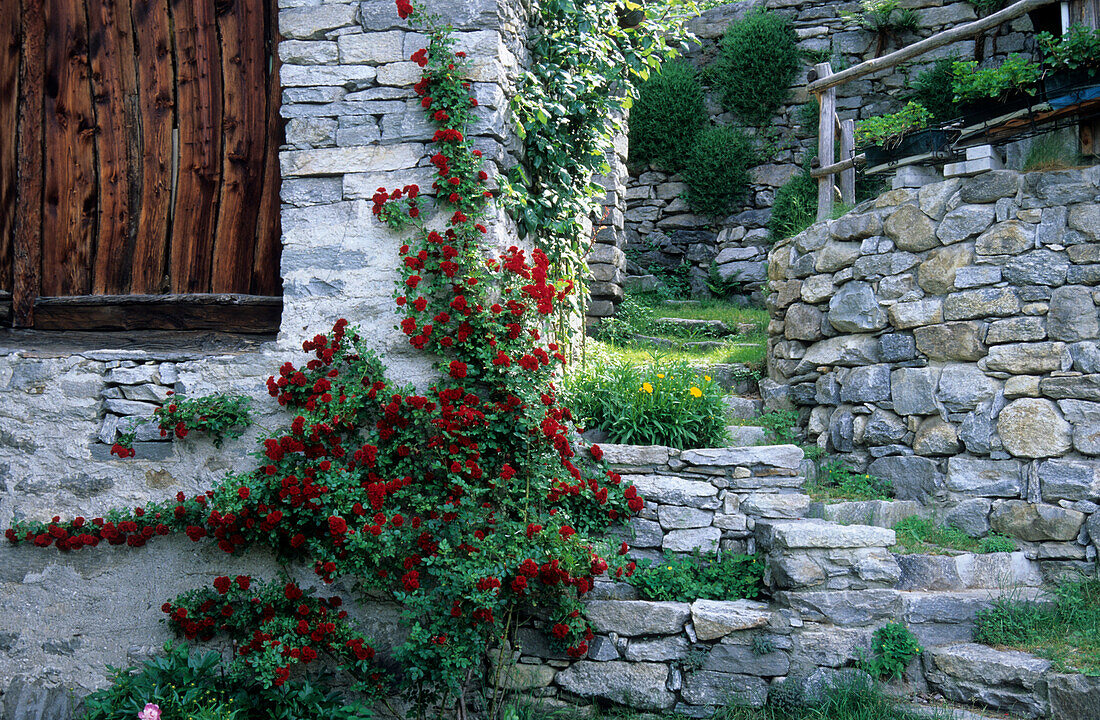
826 137
847 152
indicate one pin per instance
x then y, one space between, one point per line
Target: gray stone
980 476
905 315
985 302
1007 238
977 275
844 608
813 533
657 649
935 437
704 687
831 647
714 619
1038 267
637 455
313 22
1081 387
897 347
870 383
637 617
702 540
855 226
1066 479
1036 358
1085 356
524 676
1085 418
891 263
842 429
675 490
884 428
1033 428
374 48
1001 679
1035 522
775 505
675 517
971 516
855 309
911 230
963 387
1072 315
964 222
936 275
913 478
1017 329
639 685
913 390
934 198
976 430
803 322
602 649
780 456
22 700
817 288
989 186
1073 697
846 351
741 659
951 341
836 256
302 52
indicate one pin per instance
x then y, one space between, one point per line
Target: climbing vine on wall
466 502
570 105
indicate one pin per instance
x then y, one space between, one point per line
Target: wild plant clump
667 116
759 60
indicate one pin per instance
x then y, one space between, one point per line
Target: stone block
981 303
965 221
775 505
963 387
936 275
1072 315
1066 479
638 685
819 534
855 309
913 478
715 619
638 617
657 649
675 490
675 517
702 540
637 455
913 390
779 456
1033 428
905 315
984 477
704 687
1017 329
1038 267
1036 358
846 608
374 48
741 659
315 21
1035 522
911 230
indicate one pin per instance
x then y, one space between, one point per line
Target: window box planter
1069 86
981 111
921 142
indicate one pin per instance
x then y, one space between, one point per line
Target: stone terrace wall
656 211
946 339
353 124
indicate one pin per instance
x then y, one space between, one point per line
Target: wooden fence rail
139 148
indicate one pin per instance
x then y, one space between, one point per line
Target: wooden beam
826 135
817 172
224 313
9 135
960 32
848 151
27 243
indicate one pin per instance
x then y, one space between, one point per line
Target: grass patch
921 535
1065 631
728 313
836 481
749 351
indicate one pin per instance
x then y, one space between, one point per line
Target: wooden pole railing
823 84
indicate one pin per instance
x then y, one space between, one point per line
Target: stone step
879 513
947 616
746 435
700 345
968 571
716 327
813 533
1007 680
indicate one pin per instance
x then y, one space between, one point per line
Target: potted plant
1071 63
986 93
889 138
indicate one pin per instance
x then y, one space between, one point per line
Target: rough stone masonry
947 339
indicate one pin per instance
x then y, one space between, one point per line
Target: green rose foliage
465 501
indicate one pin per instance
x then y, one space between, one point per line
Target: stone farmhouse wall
660 227
946 338
353 124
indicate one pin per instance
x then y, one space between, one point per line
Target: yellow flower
648 388
707 378
696 392
660 376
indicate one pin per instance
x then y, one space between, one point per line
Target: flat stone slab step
747 435
1002 679
702 345
820 534
715 327
956 606
968 571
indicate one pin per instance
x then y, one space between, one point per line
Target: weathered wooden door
139 181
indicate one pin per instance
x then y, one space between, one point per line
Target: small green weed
893 646
690 577
837 481
781 426
922 535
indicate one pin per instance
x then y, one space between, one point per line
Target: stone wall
353 124
945 338
660 227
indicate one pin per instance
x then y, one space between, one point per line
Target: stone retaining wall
660 227
946 339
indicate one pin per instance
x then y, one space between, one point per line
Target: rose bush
465 501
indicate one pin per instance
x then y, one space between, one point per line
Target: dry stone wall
660 227
946 338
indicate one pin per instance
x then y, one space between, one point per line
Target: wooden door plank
111 57
243 56
27 247
266 275
156 103
9 118
239 313
69 217
199 98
